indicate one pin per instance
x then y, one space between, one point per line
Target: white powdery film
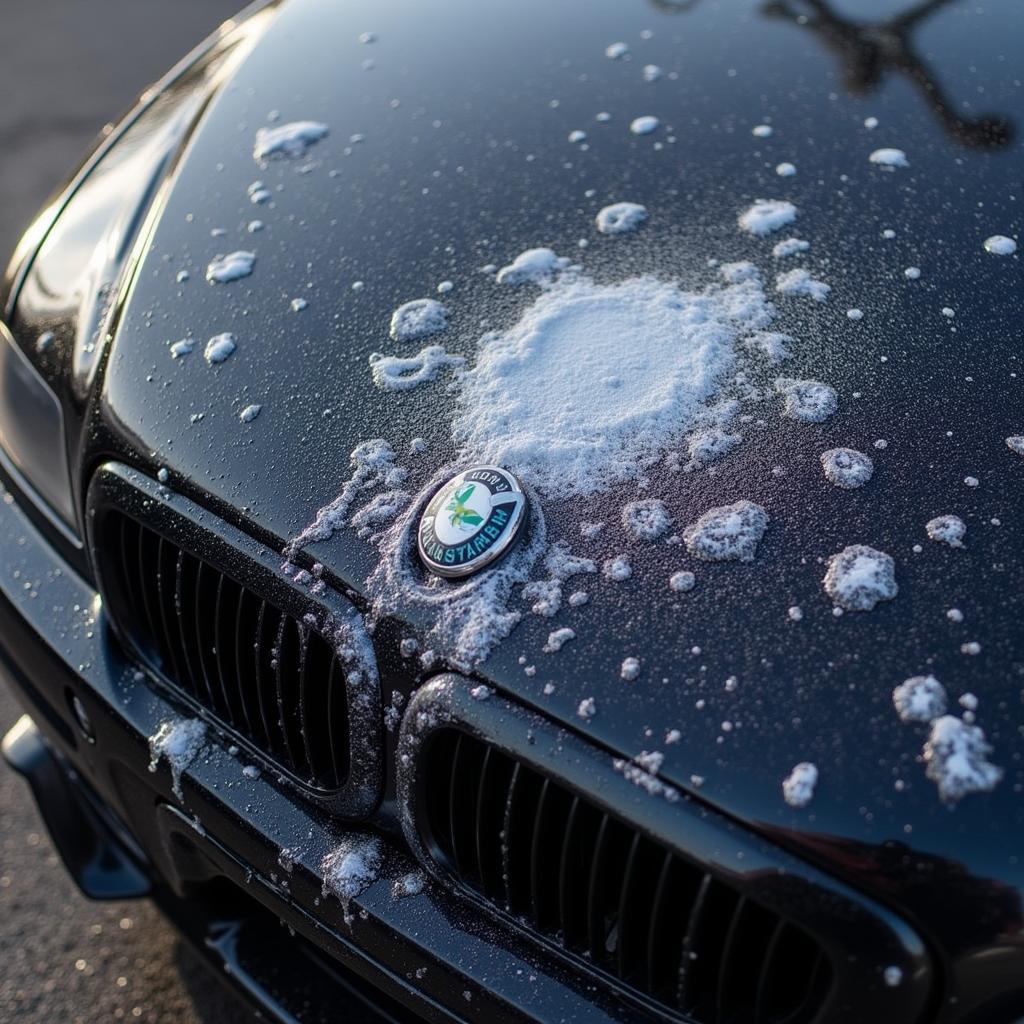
846 467
618 218
919 699
888 157
561 565
418 319
809 401
798 282
468 617
647 519
596 382
292 139
956 759
178 742
220 347
223 269
682 582
617 569
402 373
534 266
727 533
350 869
773 345
371 462
380 510
558 638
858 577
789 247
411 884
947 529
1016 444
798 786
766 216
708 446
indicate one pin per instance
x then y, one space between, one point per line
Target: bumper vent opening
260 671
636 910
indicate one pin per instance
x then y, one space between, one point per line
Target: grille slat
266 675
644 914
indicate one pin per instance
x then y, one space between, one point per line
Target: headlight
32 429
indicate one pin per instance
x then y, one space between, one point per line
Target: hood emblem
471 521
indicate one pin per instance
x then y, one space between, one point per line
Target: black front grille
267 675
640 912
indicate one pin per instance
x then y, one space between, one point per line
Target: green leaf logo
462 516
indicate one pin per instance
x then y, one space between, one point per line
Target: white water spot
798 786
587 708
411 884
795 613
809 401
402 373
773 345
630 669
892 975
855 314
644 125
728 532
846 467
956 758
762 131
955 615
298 305
250 412
798 282
223 269
870 123
682 582
536 266
647 519
577 136
767 215
618 218
617 569
418 319
888 157
972 647
182 348
1000 245
912 273
220 347
947 529
789 247
785 169
651 73
1016 444
178 741
616 51
367 37
292 139
561 565
858 577
919 699
558 638
350 868
258 193
971 481
654 356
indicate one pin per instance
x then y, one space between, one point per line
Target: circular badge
471 521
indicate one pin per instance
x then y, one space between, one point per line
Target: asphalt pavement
66 68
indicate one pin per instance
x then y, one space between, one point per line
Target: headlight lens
32 429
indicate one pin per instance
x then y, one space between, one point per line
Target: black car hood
448 150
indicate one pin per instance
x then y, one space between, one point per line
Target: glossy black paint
471 166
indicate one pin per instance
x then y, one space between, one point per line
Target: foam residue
858 577
789 247
418 319
846 467
402 373
644 125
223 269
655 355
250 412
220 347
350 868
616 51
558 638
647 519
888 157
630 669
682 582
728 532
1000 245
618 218
178 741
956 759
773 345
1016 444
919 699
947 529
799 282
536 266
798 786
561 565
292 139
785 169
809 401
617 569
767 215
708 446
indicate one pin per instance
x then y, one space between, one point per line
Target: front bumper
214 858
